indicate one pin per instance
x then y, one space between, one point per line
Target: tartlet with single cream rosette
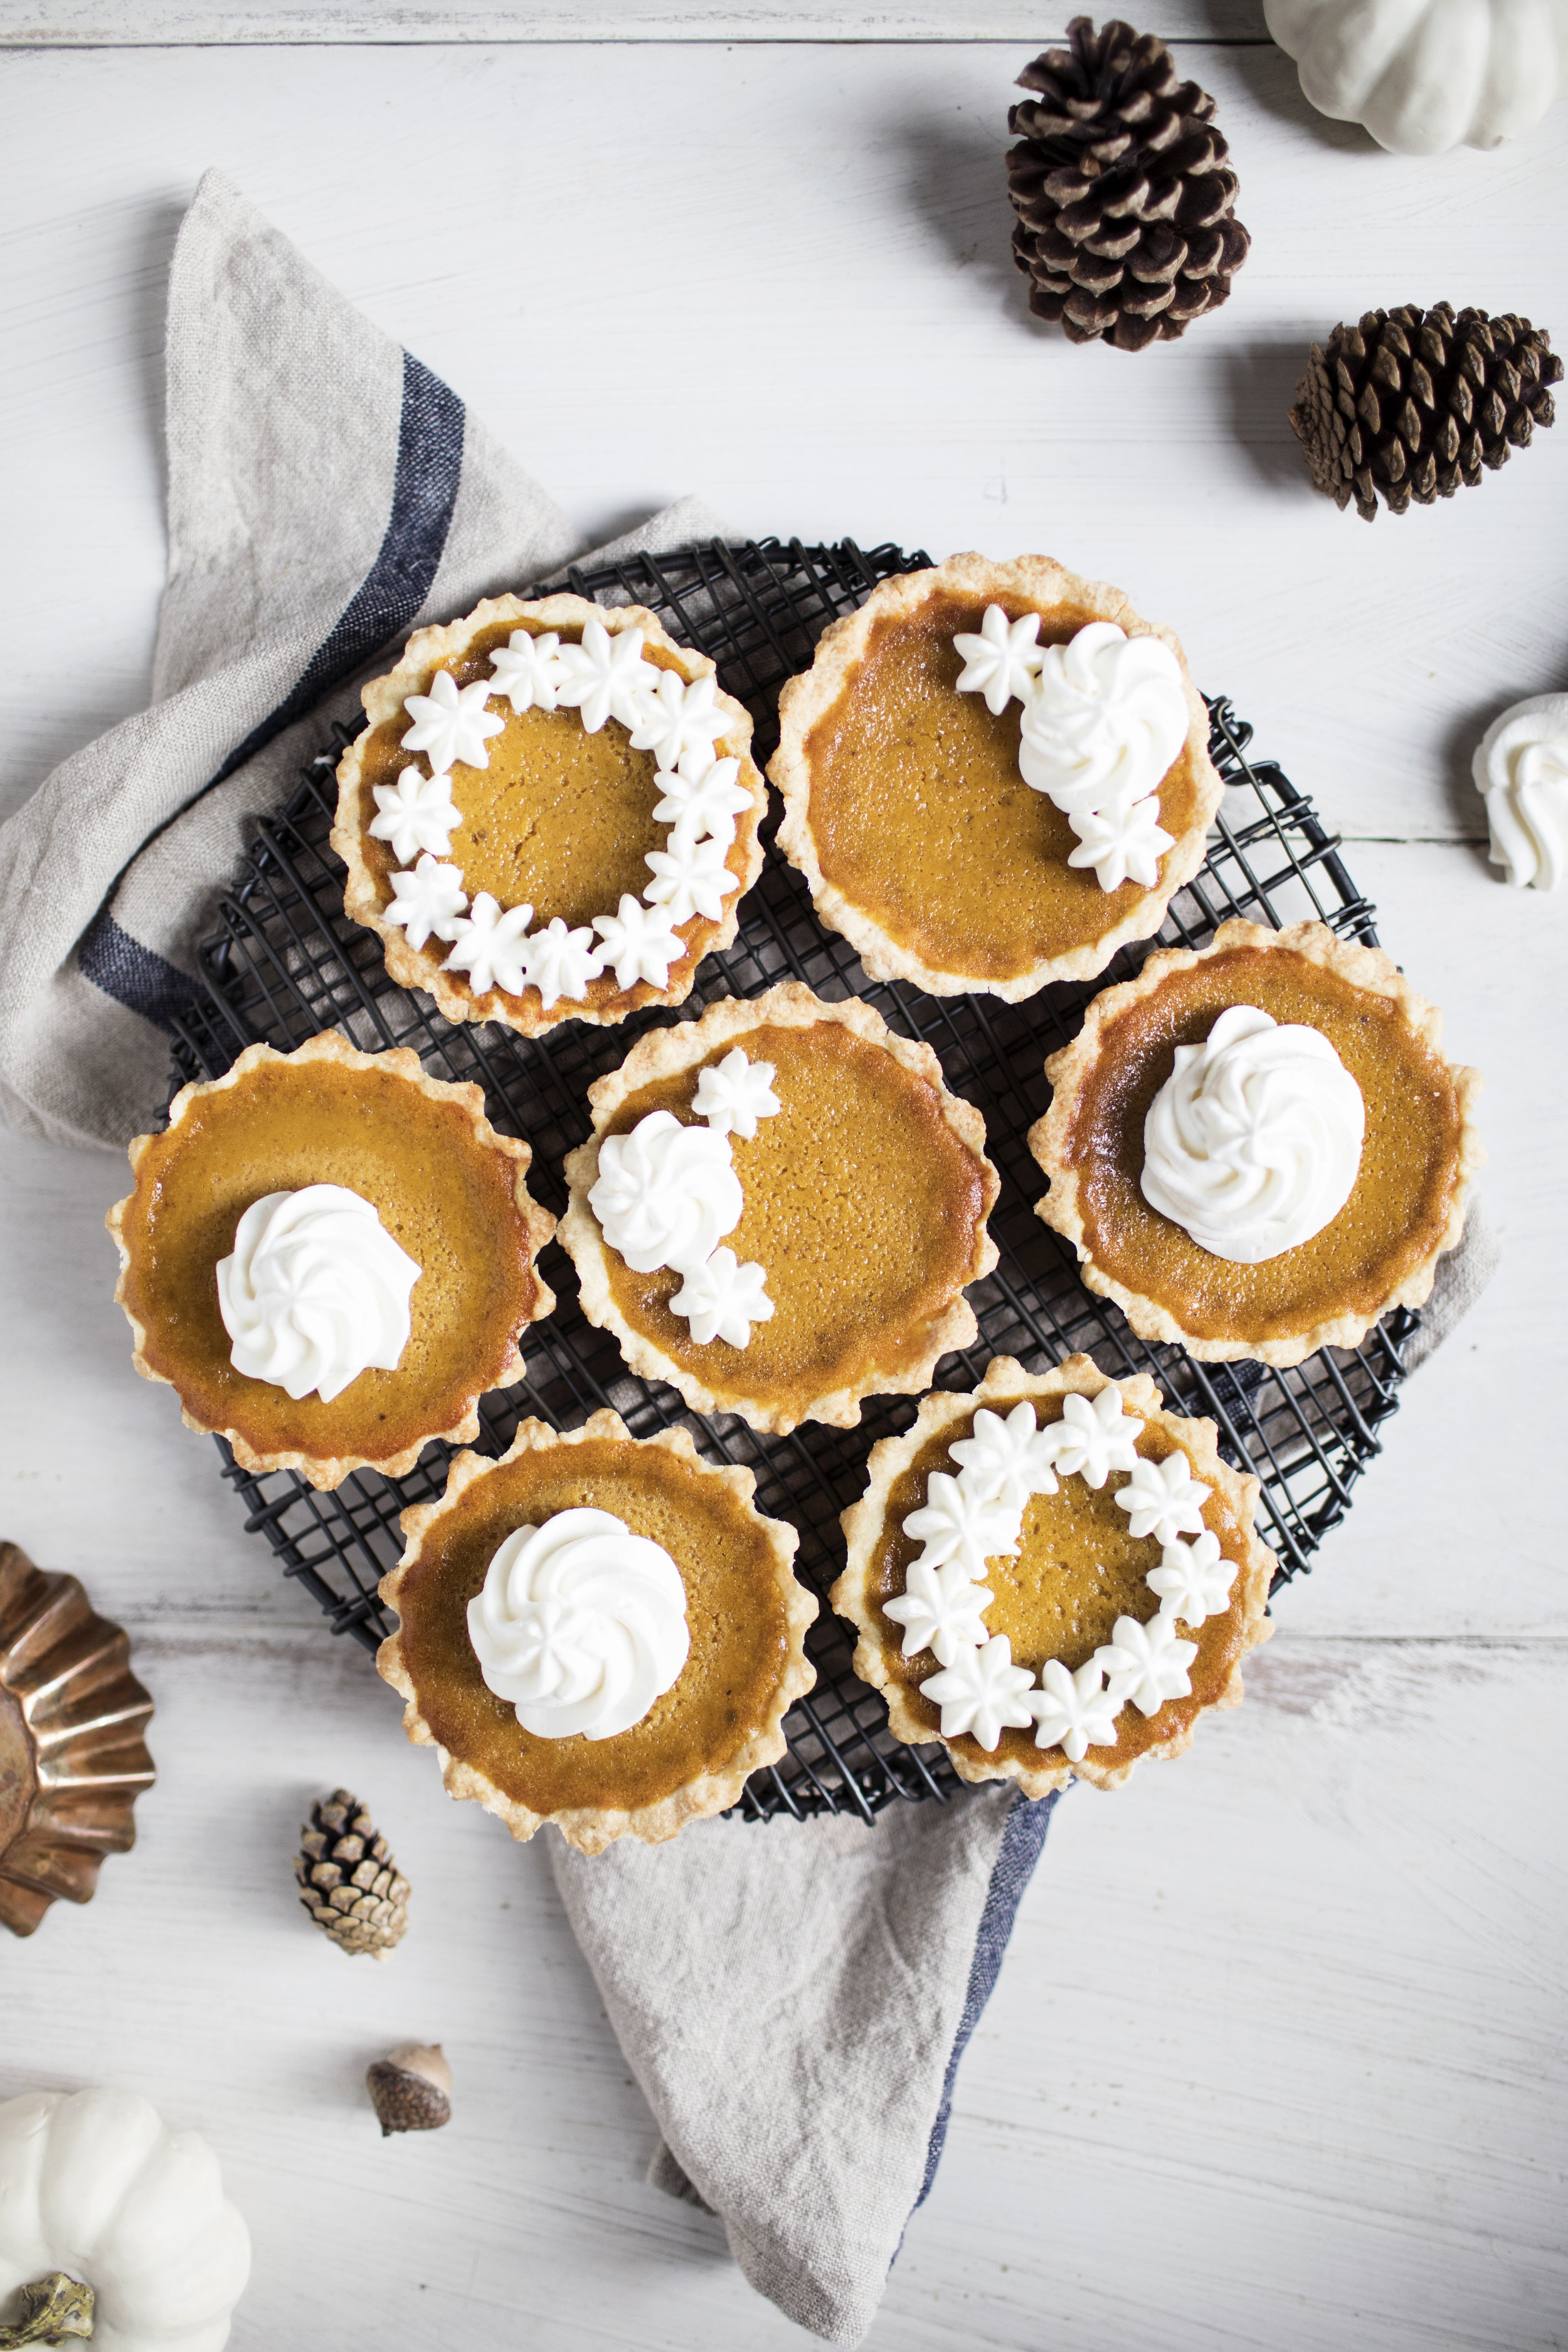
598 1630
780 1209
1258 1148
551 813
1054 1576
329 1258
993 775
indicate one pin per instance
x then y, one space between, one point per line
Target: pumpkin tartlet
1406 1197
1059 1570
544 821
812 1243
906 808
446 1189
717 1722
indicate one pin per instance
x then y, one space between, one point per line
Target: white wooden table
1276 2058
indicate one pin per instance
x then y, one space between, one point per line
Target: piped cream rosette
1053 1575
410 786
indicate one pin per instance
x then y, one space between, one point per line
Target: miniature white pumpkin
1426 75
93 2183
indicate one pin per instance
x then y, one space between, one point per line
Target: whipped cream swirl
315 1292
1521 766
580 1625
1253 1143
666 1194
1105 720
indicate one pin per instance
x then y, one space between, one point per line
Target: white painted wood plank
1274 2059
875 371
136 22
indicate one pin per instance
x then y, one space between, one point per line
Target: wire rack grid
285 964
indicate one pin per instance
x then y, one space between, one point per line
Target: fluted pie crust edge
864 1522
666 1053
326 1471
591 1828
807 697
429 650
1364 968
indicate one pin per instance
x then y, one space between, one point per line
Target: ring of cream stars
604 679
978 1516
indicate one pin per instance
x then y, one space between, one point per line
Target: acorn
411 2091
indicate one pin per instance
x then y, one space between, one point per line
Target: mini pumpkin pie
780 1207
1258 1148
1054 1576
329 1255
993 775
598 1630
551 814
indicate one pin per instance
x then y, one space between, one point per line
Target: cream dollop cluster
1104 717
1521 767
978 1516
1253 1143
667 1194
315 1292
580 1625
604 677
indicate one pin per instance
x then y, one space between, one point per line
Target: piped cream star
1072 1711
953 1523
1006 1461
1146 1664
561 963
733 1094
492 947
1093 1437
940 1611
981 1692
700 807
680 724
1121 843
690 879
605 677
430 900
641 942
1194 1580
1163 1499
722 1298
1002 662
527 670
451 725
415 813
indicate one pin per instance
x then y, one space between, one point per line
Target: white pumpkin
93 2183
1426 75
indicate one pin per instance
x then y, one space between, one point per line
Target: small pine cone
1124 196
1409 403
349 1882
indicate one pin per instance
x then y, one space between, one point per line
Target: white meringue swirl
315 1292
580 1625
1253 1143
1521 766
1107 719
666 1194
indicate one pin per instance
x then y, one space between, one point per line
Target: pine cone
1122 191
349 1882
1410 403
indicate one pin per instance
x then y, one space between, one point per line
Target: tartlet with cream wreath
1054 1576
329 1255
598 1630
1258 1148
780 1209
994 776
551 815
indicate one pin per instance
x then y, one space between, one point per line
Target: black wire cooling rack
285 964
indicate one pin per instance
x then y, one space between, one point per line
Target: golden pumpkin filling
862 1206
1404 1188
921 819
446 1198
1077 1570
735 1615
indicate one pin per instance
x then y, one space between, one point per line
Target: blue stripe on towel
1022 1842
423 495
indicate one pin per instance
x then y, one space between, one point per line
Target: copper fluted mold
72 1758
